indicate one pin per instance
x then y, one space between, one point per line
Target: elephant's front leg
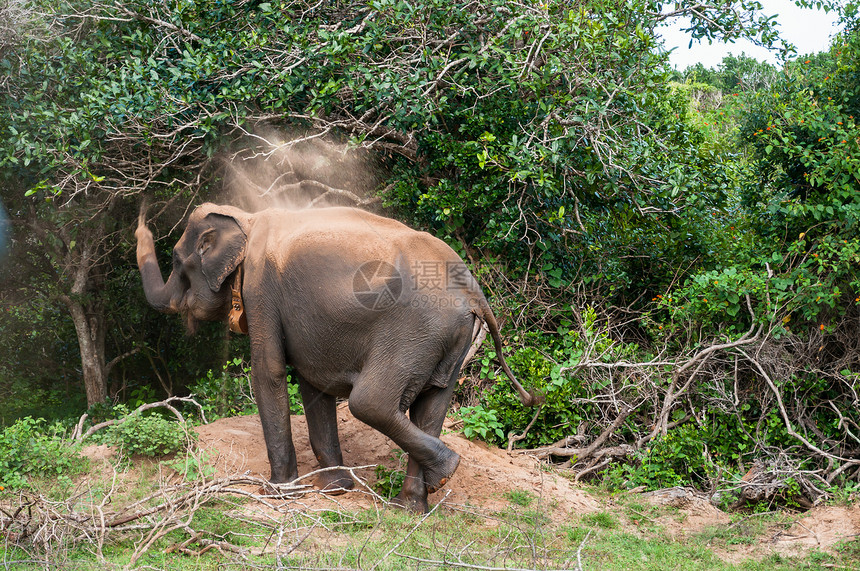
268 375
321 414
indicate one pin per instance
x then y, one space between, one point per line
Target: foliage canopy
629 229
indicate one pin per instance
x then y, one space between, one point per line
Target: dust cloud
299 171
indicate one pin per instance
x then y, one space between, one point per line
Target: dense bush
547 364
33 448
150 435
540 132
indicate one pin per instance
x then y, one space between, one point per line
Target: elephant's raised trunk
160 295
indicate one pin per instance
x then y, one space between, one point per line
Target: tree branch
157 22
588 450
76 434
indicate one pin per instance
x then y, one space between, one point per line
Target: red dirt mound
487 475
483 478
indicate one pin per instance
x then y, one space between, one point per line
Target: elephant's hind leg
380 409
321 414
428 414
413 494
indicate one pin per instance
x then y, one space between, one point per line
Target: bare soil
821 528
487 476
484 476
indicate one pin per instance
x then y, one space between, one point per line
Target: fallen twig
579 551
411 531
586 451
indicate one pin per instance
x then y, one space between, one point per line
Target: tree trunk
89 324
77 244
87 310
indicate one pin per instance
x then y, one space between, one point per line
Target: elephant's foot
438 474
283 476
334 482
411 502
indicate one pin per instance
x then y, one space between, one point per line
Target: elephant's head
207 254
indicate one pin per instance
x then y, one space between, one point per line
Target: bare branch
158 22
512 438
586 451
788 425
115 422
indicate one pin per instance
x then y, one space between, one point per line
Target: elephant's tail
486 314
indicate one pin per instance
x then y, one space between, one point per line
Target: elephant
361 306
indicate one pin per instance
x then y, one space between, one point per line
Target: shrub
194 466
544 364
30 447
228 392
691 454
389 482
482 423
150 435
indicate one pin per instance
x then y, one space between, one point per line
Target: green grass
522 498
627 534
391 539
617 549
603 520
743 530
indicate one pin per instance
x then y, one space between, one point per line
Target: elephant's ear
221 247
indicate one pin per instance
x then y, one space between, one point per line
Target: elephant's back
350 234
339 256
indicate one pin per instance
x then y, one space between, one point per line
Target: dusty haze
294 171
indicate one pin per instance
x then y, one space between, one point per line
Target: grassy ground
203 531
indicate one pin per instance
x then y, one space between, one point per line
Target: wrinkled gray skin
311 303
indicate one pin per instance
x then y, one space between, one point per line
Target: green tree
64 177
735 74
542 132
743 73
807 193
786 274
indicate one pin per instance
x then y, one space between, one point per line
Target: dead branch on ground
636 403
